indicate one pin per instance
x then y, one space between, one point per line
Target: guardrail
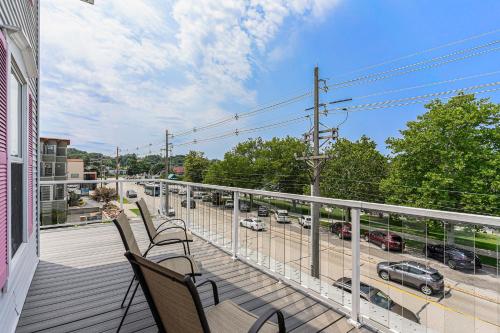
384 283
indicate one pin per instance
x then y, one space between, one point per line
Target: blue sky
121 72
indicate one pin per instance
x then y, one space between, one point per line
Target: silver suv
428 280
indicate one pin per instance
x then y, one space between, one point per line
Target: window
15 116
414 270
15 142
45 193
75 175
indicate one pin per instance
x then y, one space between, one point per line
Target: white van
281 216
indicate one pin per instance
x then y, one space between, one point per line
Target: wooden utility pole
316 160
117 166
166 172
315 214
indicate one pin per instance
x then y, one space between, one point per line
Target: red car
386 240
341 229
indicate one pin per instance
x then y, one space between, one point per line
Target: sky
121 72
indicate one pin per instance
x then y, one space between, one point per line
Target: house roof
54 139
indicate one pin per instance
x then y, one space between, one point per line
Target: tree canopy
448 158
195 164
355 170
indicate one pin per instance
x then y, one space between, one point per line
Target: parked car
386 240
282 216
341 229
244 207
131 194
424 278
305 221
182 191
197 195
192 203
253 223
206 198
171 212
229 204
454 257
173 190
263 211
377 297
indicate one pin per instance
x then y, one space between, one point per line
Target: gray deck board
83 275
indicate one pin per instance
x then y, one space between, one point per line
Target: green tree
448 158
355 170
195 165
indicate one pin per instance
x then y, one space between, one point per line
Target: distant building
75 169
178 170
53 166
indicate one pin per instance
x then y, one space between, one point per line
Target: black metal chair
176 306
182 264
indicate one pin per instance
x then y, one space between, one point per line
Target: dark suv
263 211
424 278
377 297
454 257
386 240
341 229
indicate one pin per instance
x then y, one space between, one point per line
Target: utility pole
315 182
117 166
166 172
319 138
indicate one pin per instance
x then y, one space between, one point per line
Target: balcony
324 282
83 275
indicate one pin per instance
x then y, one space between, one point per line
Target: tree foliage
195 165
448 158
256 163
355 170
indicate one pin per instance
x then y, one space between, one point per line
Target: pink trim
4 160
30 165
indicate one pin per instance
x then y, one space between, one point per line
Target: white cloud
122 71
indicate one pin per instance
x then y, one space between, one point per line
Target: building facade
75 169
53 166
19 149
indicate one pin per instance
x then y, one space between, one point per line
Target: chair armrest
170 220
214 289
265 317
178 257
168 228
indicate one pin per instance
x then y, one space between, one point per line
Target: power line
385 92
237 116
466 39
237 132
381 76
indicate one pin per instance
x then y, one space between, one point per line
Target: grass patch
125 201
135 211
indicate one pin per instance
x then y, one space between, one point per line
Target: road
470 302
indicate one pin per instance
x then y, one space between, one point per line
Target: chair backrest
123 225
172 297
146 218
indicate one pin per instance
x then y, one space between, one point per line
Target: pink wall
3 160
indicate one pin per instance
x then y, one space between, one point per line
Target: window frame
15 63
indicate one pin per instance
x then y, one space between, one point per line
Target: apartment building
53 166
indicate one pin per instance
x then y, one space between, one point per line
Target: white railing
358 261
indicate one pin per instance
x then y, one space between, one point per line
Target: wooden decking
83 275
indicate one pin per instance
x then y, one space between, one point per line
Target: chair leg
128 290
189 249
128 307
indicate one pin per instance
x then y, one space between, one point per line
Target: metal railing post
161 199
236 225
356 270
188 207
120 186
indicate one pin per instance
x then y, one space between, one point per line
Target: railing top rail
403 210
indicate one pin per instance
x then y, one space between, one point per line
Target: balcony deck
83 275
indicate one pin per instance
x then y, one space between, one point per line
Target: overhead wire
428 50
